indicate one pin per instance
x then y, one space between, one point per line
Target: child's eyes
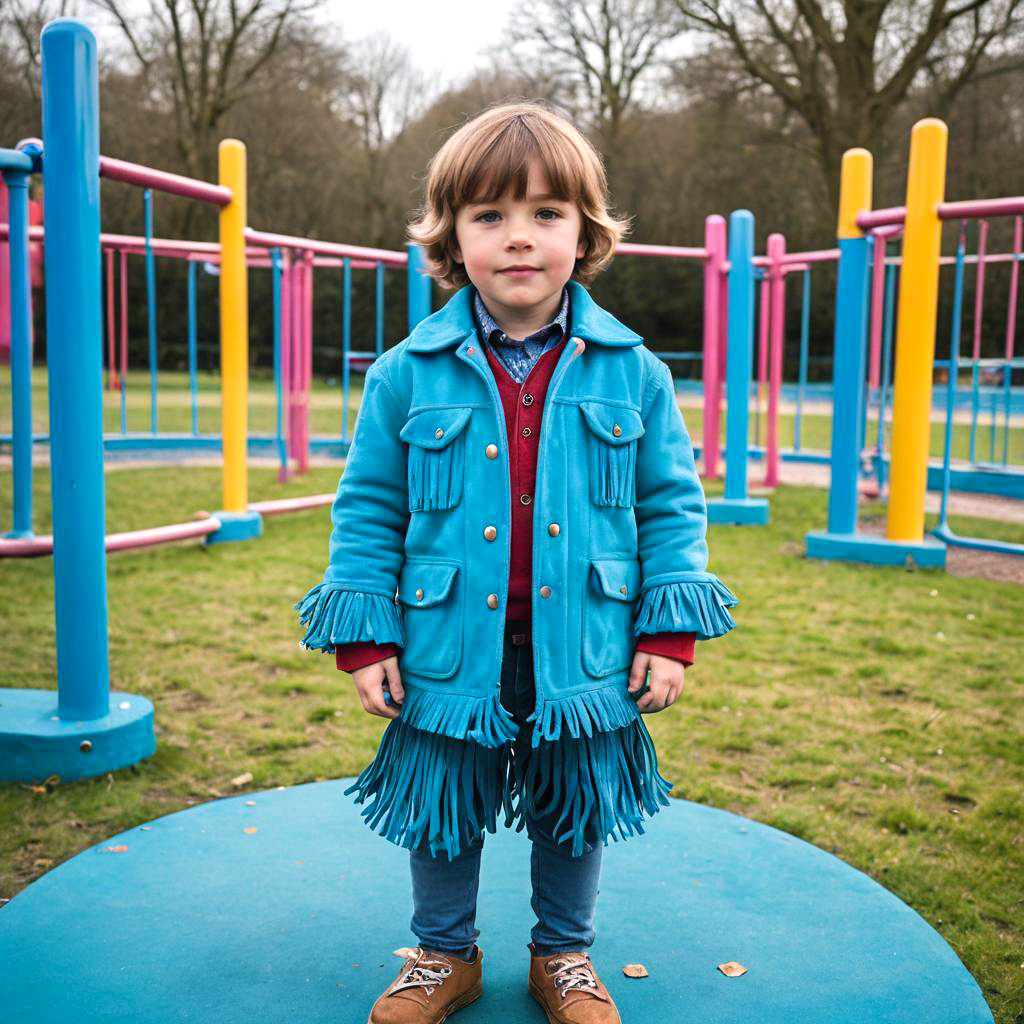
494 213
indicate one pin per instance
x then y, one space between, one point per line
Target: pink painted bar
35 547
163 181
777 319
877 303
271 240
979 288
1011 316
714 284
669 251
1001 207
279 506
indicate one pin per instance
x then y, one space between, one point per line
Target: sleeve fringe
700 605
332 616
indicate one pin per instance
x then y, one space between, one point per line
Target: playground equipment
921 220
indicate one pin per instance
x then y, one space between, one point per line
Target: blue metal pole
151 304
848 383
71 198
379 319
346 340
282 453
21 347
417 285
739 352
193 372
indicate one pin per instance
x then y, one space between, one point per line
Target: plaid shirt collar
492 333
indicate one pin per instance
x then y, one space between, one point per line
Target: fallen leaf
405 951
42 862
635 971
241 780
732 969
117 849
250 830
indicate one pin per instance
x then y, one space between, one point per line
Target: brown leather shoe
429 988
569 991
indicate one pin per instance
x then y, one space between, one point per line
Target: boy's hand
374 682
666 681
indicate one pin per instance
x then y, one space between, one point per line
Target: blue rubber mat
199 921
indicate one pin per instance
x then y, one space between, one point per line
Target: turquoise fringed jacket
619 545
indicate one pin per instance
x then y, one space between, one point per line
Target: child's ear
581 249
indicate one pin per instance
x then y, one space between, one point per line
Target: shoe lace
428 977
575 974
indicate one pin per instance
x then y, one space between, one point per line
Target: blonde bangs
491 156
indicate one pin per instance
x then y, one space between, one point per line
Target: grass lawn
174 414
874 713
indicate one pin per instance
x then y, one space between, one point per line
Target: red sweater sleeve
668 645
349 657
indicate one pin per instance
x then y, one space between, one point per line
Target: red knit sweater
524 407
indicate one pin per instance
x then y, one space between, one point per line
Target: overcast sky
444 39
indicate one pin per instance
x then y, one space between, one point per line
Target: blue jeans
565 888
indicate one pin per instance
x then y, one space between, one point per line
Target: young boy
521 473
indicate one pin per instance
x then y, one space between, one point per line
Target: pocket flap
613 423
424 428
423 584
617 577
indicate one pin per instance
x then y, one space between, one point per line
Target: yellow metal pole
234 326
915 331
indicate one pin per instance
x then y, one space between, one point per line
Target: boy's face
538 232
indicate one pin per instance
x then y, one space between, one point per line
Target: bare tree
845 68
605 50
201 58
383 94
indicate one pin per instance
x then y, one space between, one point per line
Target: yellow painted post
915 331
234 326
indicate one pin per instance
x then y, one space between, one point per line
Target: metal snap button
492 600
525 499
623 589
491 451
545 591
527 431
554 529
439 433
419 593
527 399
617 430
470 350
490 532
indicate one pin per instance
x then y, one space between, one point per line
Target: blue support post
16 179
736 507
83 732
417 285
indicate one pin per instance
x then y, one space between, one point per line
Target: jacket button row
490 532
545 591
491 451
492 600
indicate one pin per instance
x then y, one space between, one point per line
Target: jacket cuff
349 657
683 602
333 616
669 645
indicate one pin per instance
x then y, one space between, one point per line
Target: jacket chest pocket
437 457
613 586
612 432
431 595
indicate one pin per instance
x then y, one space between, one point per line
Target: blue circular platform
199 921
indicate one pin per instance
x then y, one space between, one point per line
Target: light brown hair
492 153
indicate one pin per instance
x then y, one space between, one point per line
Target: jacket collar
454 322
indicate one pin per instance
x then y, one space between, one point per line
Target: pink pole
979 293
877 304
286 359
307 365
762 345
5 284
294 346
111 329
124 320
777 313
35 546
1011 316
723 328
714 242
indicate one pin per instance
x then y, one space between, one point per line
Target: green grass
174 414
833 712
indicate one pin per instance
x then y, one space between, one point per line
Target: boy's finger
394 683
